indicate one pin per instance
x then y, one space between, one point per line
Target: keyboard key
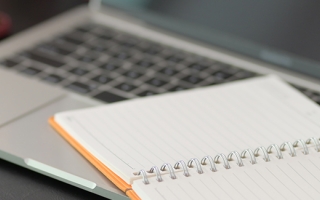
230 69
79 71
145 63
72 40
168 71
107 34
52 48
193 79
121 55
126 87
133 74
221 75
178 88
110 66
147 93
31 71
102 79
87 58
9 63
44 59
156 82
198 67
176 58
98 47
109 97
153 49
129 42
81 87
53 78
215 81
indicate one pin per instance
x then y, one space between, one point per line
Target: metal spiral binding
237 155
184 167
226 159
199 168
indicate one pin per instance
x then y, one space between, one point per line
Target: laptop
115 50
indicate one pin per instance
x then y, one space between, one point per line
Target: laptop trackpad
19 96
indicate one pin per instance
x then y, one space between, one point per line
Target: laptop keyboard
111 66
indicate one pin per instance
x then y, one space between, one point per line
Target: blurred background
26 13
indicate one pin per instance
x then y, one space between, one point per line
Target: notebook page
138 134
291 178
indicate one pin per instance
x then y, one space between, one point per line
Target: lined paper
293 178
138 134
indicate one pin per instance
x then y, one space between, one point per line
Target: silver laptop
114 50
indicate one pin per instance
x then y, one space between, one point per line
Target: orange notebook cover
114 178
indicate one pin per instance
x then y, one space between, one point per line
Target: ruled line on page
293 182
247 186
257 184
297 174
284 185
101 143
263 178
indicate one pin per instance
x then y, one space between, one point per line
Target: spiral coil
226 159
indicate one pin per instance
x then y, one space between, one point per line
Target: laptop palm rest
20 96
27 139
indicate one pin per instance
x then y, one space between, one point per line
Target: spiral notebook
250 139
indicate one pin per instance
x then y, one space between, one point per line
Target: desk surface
17 182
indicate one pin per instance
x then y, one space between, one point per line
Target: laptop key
175 58
221 75
107 35
132 74
193 79
145 63
81 87
126 87
87 58
102 79
153 49
178 88
230 69
129 42
168 71
79 71
53 78
9 63
31 71
110 66
97 48
44 59
52 48
72 40
109 97
147 93
198 67
156 82
121 55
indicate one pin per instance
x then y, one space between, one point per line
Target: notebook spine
232 156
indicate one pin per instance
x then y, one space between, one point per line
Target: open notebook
251 139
